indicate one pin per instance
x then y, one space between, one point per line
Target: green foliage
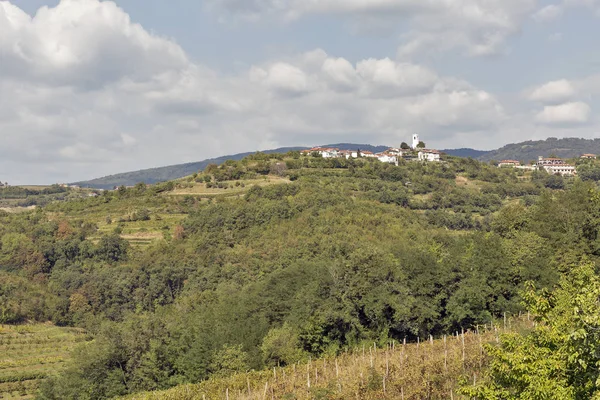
281 346
559 359
342 252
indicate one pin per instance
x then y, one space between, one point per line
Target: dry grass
428 370
234 187
16 210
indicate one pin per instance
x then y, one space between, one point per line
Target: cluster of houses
391 155
552 165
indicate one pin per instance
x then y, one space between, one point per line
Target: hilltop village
418 152
552 165
391 155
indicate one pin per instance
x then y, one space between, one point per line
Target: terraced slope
30 353
432 369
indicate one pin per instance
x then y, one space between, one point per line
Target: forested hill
525 151
531 150
163 174
465 152
280 258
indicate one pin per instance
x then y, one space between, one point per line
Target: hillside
432 370
31 353
466 153
525 151
162 174
531 150
279 259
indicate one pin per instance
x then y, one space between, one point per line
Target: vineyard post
445 355
387 364
463 346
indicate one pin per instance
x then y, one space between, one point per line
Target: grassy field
166 211
30 353
231 188
432 369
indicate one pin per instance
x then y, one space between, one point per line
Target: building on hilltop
544 162
588 156
387 157
564 170
429 155
556 166
509 163
399 152
325 152
415 141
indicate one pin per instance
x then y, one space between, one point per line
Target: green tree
421 145
229 360
112 248
560 358
404 146
281 347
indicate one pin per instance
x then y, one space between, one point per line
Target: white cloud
108 97
386 78
283 78
340 73
480 27
84 42
548 13
565 114
553 92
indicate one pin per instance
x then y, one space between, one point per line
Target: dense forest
288 258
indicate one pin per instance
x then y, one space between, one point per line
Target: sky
90 88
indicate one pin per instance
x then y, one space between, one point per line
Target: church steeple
416 141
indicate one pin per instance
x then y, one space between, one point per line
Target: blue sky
90 88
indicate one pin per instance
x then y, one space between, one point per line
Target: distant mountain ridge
162 174
465 153
525 151
531 150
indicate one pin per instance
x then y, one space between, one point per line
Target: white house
368 154
429 155
509 163
563 169
329 153
588 156
324 152
387 158
543 162
397 151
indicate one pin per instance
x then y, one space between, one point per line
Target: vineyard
430 369
30 353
